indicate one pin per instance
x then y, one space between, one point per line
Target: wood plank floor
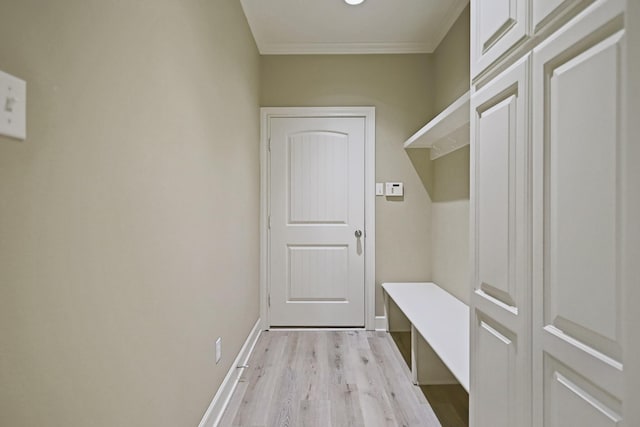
327 379
450 403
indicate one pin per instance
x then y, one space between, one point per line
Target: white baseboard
381 323
221 399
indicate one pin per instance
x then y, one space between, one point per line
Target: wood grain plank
284 412
315 413
330 379
262 381
450 403
374 402
345 406
409 408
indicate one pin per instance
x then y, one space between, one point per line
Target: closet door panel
577 117
497 354
496 25
571 400
495 202
500 187
555 12
501 326
582 292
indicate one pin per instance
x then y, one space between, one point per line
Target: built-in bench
439 327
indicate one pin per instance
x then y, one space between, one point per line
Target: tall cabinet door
496 26
545 11
500 303
578 89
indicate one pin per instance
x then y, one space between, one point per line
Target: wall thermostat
394 189
13 106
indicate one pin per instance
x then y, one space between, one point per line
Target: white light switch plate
379 189
13 106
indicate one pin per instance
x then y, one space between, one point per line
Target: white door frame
369 115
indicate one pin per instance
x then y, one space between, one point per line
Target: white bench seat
441 319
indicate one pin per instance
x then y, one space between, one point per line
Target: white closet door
578 87
545 11
496 26
500 303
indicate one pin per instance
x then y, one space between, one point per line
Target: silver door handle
358 233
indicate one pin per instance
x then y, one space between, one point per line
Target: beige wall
450 208
452 63
122 257
450 213
401 89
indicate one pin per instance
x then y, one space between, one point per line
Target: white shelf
447 132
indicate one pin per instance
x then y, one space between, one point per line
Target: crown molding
343 48
451 17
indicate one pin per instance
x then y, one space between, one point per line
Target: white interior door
317 218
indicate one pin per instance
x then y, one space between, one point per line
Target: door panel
582 294
498 139
560 11
317 204
578 91
497 26
572 400
495 20
501 326
497 355
319 178
318 273
543 8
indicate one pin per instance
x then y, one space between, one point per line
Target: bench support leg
426 366
396 320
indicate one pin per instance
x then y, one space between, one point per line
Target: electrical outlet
218 350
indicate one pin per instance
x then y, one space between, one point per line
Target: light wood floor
449 402
325 379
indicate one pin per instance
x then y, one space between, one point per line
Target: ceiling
333 27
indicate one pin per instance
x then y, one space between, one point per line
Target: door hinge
269 300
269 222
269 145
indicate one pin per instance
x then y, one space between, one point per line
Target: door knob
358 233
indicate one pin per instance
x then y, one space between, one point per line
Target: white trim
277 329
344 48
366 48
369 114
451 17
220 401
381 323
